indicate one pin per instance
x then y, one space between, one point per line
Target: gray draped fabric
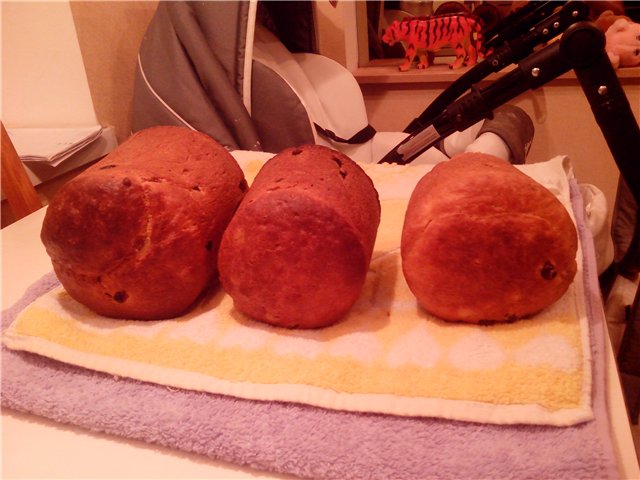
280 118
195 68
191 72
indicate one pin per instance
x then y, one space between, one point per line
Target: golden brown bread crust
484 242
297 251
136 235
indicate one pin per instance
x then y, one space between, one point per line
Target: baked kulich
297 251
137 234
483 242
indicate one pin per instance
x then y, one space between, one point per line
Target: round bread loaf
137 234
483 242
297 251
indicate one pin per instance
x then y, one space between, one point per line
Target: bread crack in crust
131 237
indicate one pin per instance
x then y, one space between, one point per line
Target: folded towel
387 356
310 442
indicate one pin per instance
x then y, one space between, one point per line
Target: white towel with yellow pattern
387 356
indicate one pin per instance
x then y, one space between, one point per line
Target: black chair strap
362 136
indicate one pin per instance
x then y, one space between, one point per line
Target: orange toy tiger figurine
429 34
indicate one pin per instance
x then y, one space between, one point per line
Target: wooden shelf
386 72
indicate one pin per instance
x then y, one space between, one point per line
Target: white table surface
33 447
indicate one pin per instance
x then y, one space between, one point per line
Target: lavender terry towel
312 442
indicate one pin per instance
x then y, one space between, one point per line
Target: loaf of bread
483 242
297 251
137 234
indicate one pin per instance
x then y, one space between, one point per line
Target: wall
43 78
110 34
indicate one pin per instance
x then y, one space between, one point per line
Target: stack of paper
51 145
